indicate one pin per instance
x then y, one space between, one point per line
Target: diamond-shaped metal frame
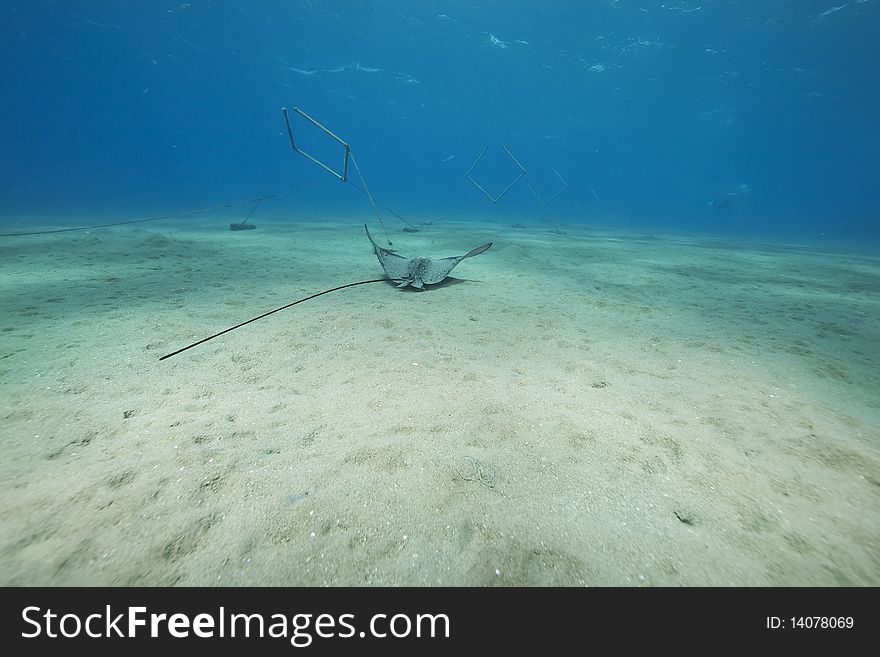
578 206
562 188
342 176
494 199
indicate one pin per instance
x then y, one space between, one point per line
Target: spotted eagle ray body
420 271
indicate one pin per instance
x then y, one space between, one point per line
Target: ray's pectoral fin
477 251
437 270
396 266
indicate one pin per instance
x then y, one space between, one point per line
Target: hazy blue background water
120 109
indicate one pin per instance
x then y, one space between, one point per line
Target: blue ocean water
723 116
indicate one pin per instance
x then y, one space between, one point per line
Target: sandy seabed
589 408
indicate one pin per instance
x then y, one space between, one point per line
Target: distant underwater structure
732 200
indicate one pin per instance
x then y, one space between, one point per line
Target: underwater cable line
232 328
379 203
182 213
268 194
172 215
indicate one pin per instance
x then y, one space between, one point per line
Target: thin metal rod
538 196
495 199
318 125
322 165
480 187
512 183
476 184
289 131
513 158
347 149
480 157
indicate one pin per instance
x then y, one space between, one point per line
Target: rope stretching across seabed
183 213
165 216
